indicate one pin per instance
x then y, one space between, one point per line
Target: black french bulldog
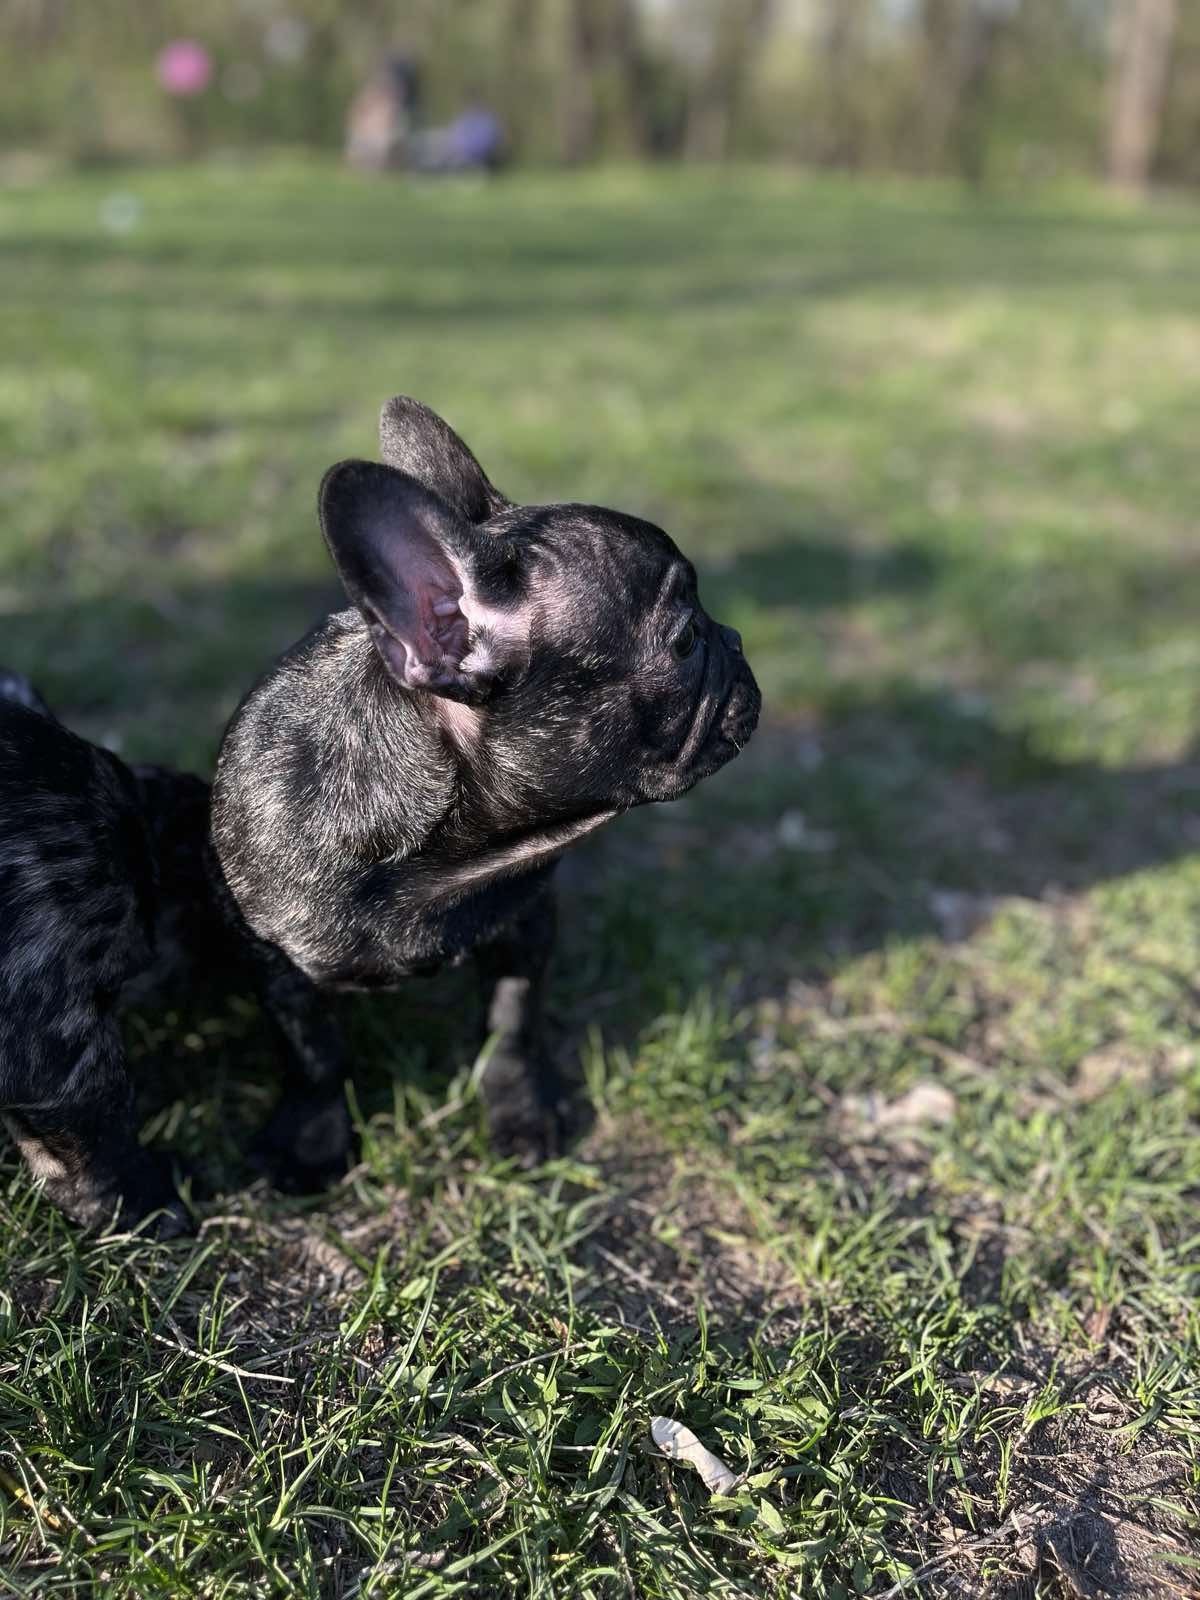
394 794
103 887
109 897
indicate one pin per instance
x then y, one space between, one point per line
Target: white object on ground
923 1103
681 1444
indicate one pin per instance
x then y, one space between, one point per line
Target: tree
1142 49
939 80
983 26
581 65
635 80
739 30
516 82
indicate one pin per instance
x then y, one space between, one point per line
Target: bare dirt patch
674 1235
1086 1514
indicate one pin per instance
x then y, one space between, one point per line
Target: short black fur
102 886
394 794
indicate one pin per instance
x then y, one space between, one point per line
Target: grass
889 1033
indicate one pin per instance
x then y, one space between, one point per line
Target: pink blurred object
184 67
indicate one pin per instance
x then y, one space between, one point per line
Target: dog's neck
370 736
350 822
380 723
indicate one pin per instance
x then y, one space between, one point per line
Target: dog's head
563 648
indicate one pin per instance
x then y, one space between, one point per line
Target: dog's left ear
443 599
414 439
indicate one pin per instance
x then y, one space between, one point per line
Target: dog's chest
393 934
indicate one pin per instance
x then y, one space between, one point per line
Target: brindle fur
392 796
101 881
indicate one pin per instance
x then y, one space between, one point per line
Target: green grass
890 1032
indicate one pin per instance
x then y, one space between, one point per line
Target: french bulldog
103 886
391 797
109 897
394 794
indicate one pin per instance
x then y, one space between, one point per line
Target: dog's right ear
414 439
418 571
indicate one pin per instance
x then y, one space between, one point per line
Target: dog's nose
732 638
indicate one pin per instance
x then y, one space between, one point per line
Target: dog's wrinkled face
645 693
564 648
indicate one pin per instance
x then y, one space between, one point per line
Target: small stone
795 834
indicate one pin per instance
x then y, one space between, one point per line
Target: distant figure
382 115
476 139
473 142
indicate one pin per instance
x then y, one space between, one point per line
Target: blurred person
383 114
473 142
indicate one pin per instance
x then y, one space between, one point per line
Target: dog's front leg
521 1090
306 1145
81 1142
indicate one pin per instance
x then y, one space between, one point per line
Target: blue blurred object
473 142
475 138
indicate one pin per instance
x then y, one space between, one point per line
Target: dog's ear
440 596
414 439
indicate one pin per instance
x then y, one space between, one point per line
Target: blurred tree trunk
842 68
42 21
1142 49
959 40
939 75
740 30
606 83
581 64
515 80
982 27
635 86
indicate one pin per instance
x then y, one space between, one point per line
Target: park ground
889 1034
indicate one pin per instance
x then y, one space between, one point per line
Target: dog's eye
685 641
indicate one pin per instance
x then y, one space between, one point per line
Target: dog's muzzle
739 715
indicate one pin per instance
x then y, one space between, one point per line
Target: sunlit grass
937 461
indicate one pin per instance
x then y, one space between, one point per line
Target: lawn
888 1188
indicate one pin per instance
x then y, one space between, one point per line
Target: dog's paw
143 1199
529 1140
306 1146
151 1205
171 1220
525 1112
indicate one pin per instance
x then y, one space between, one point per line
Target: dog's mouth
731 729
739 715
719 733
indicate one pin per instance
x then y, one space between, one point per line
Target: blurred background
980 89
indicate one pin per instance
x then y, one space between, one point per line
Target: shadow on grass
968 815
896 818
899 814
816 572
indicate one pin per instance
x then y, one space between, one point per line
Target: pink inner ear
443 621
428 635
430 653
